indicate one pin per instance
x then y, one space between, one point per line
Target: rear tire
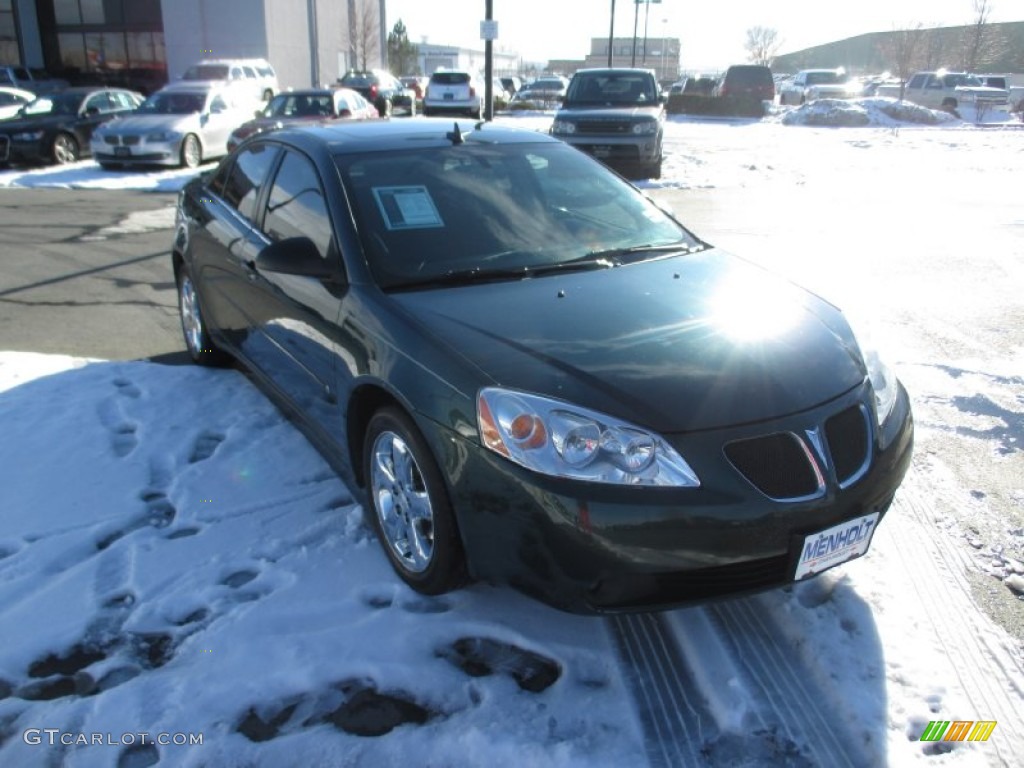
386 108
408 504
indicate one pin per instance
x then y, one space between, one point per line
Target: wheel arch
365 400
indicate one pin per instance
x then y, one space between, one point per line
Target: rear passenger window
297 207
242 185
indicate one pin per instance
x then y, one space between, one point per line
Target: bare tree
981 43
762 45
932 48
364 34
901 52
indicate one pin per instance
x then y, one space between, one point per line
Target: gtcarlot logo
55 736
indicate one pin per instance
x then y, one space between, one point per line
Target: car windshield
173 104
506 211
300 105
55 104
612 88
206 72
358 79
825 78
952 81
450 78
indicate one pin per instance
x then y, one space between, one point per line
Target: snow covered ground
177 562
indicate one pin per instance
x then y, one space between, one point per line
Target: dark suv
382 89
616 115
750 81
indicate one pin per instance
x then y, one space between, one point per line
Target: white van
255 75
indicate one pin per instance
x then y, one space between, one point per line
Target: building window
67 12
116 42
10 50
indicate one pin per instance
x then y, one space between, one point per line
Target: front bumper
587 547
142 153
617 150
34 151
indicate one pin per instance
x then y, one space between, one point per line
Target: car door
97 108
218 121
293 338
225 240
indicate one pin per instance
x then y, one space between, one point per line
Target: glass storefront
10 49
119 42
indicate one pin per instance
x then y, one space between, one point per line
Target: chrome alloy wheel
191 320
401 502
65 149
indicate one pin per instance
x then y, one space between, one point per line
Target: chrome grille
112 140
129 141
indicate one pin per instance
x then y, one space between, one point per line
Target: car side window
917 81
99 102
242 186
297 206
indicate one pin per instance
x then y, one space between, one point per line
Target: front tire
200 345
65 149
409 505
191 151
386 108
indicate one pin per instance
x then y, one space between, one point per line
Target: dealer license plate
835 545
601 150
122 152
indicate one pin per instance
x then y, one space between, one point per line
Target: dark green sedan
530 374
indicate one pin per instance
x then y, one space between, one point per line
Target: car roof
613 70
193 86
351 137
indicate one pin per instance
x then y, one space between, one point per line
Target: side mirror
92 111
345 113
294 256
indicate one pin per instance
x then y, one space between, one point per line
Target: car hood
679 344
146 123
603 111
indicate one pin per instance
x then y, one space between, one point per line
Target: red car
306 105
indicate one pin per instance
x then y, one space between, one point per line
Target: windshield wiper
481 275
618 253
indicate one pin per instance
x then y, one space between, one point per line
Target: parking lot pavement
87 274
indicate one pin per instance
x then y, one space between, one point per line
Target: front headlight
645 128
563 440
162 136
883 382
27 136
563 126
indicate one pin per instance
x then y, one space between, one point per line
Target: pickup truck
948 91
811 84
29 79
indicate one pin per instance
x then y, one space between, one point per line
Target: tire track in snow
787 700
673 713
988 673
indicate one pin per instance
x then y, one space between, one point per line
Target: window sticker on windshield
407 207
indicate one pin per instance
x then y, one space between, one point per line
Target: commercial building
658 53
143 43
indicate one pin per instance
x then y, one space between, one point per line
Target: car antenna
455 137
